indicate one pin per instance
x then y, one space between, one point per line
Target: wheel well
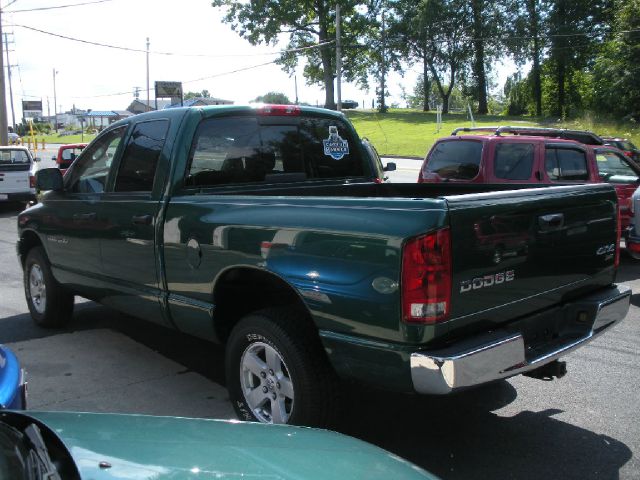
240 291
28 240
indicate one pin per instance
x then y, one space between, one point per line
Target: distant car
14 138
629 149
67 154
13 388
17 172
349 104
76 446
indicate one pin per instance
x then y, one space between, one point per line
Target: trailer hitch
547 372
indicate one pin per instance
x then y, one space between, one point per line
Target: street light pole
55 101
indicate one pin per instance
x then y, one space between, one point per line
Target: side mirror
49 179
391 167
37 159
54 158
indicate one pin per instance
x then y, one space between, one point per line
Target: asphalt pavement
583 426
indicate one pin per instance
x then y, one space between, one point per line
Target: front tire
49 303
277 371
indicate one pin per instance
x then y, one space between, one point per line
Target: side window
89 173
566 164
613 164
140 159
513 161
228 150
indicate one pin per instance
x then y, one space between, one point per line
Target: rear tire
277 370
50 304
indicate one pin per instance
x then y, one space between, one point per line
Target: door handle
553 221
85 216
141 219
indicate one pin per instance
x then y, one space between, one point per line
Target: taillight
426 278
291 110
32 181
628 154
618 236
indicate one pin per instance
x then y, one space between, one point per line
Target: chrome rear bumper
502 354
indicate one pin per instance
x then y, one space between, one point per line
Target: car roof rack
582 136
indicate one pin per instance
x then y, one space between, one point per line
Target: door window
140 159
513 161
566 164
89 174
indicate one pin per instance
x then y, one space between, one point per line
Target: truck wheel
49 303
277 371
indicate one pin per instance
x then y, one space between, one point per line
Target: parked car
82 446
349 104
67 154
14 138
626 146
13 386
531 156
17 175
263 229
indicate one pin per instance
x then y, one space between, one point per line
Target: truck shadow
459 437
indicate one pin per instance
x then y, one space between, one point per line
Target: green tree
274 98
616 75
310 25
202 94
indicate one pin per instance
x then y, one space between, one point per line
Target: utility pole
148 99
13 112
4 137
295 83
55 101
338 60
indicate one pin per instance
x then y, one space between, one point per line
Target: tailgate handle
141 219
553 221
85 216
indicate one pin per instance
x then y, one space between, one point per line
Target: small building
201 102
104 118
141 106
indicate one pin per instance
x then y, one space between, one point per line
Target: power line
139 50
55 7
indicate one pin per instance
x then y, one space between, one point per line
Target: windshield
613 164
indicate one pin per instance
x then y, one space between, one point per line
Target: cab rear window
245 149
455 159
14 160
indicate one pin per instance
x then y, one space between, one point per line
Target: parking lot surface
583 426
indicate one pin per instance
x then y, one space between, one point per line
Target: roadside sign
168 89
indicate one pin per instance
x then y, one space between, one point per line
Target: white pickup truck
17 170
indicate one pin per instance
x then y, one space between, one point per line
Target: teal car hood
156 448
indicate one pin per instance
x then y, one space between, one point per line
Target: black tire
56 307
313 382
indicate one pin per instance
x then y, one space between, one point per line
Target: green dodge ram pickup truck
263 228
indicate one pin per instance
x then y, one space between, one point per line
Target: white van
17 170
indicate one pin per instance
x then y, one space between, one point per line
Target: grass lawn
410 133
59 139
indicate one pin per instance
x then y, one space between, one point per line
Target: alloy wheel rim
37 289
266 383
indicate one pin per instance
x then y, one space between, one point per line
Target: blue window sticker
335 146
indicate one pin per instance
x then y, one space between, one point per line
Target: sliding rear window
14 160
246 149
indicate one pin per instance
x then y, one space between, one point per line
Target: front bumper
502 354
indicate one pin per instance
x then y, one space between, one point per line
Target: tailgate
14 178
520 251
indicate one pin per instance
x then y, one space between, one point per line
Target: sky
92 77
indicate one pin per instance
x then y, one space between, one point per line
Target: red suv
532 155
